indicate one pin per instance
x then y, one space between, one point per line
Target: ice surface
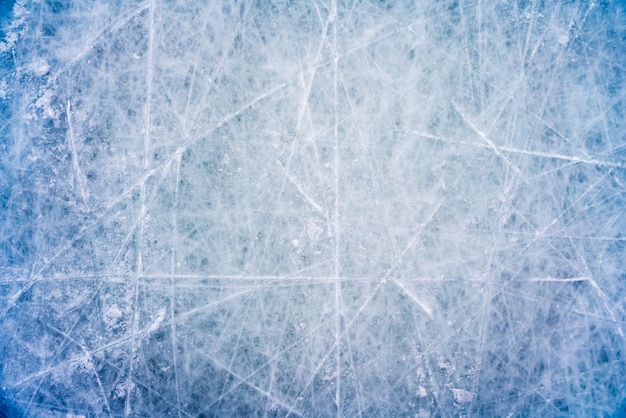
313 208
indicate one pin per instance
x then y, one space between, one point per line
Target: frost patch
46 105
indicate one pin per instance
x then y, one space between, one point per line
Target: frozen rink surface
312 208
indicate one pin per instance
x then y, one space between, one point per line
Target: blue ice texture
347 208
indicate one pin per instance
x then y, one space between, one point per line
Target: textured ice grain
312 208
